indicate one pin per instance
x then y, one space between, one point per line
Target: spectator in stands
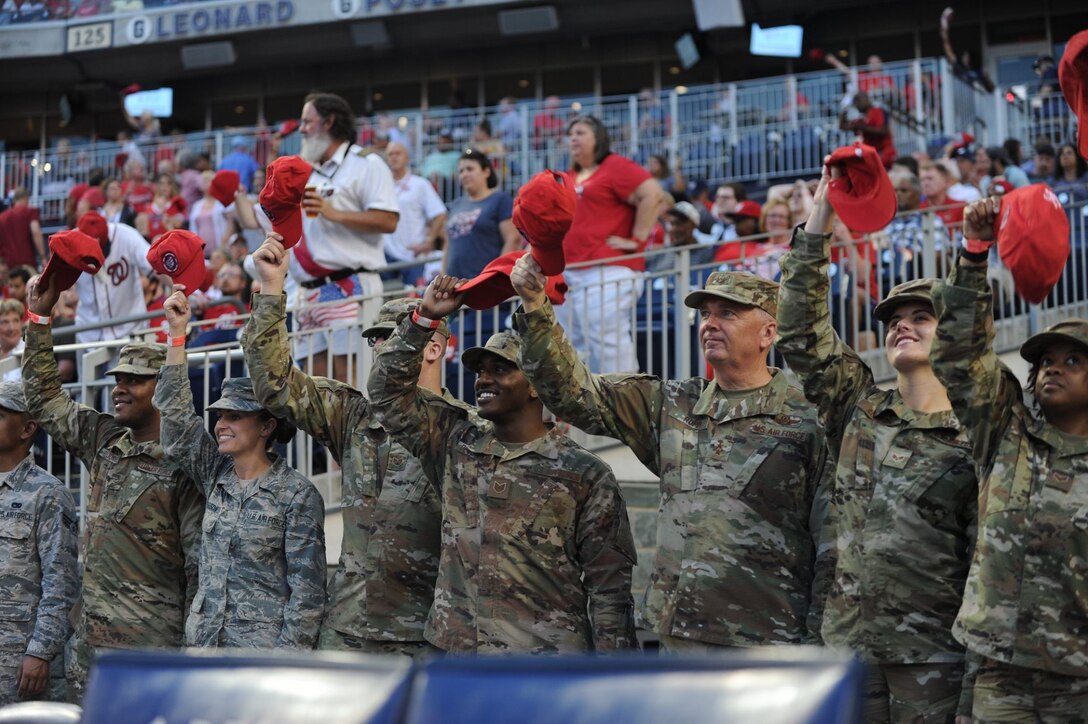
18 278
653 120
353 205
872 127
1014 150
672 181
905 163
422 217
192 187
1023 612
383 586
936 180
95 177
233 285
260 176
21 240
698 193
903 240
11 334
617 208
548 125
93 197
683 222
39 574
509 123
492 147
480 228
1070 181
897 561
967 188
1002 167
711 585
1045 161
744 223
147 127
726 199
962 65
440 165
209 219
165 212
561 572
117 208
262 554
137 190
115 292
240 160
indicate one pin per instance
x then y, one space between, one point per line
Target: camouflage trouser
333 640
10 664
914 693
78 658
681 646
1007 693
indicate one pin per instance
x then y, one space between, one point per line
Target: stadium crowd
937 529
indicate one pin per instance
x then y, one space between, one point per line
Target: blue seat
770 686
137 686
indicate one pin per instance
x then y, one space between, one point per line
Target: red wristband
431 324
38 319
976 246
177 341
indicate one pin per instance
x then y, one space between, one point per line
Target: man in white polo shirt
350 204
422 216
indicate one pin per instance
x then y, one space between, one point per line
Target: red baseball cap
73 252
288 127
748 208
130 89
492 286
94 225
863 196
179 254
1073 78
281 197
178 206
95 198
224 186
543 211
1033 239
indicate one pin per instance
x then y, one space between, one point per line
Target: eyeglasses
374 340
780 217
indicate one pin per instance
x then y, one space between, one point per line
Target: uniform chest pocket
127 484
460 498
361 480
940 484
680 441
548 516
15 531
733 464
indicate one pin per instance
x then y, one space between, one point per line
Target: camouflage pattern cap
1074 331
140 358
916 290
391 313
504 344
737 286
237 395
11 396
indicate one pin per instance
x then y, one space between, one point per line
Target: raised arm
75 427
982 390
832 374
606 552
313 404
305 551
623 406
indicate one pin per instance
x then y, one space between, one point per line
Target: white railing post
791 100
524 171
1001 120
732 88
948 103
632 123
674 127
919 99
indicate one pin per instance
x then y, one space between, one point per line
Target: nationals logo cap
281 197
1033 239
179 254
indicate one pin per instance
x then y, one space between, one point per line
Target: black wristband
978 257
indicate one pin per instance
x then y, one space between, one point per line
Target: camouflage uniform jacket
901 526
142 537
532 537
262 556
39 577
1026 601
735 544
383 586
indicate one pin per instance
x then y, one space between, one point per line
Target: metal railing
664 331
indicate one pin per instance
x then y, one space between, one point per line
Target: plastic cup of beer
310 213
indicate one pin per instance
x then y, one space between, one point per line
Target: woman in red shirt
616 211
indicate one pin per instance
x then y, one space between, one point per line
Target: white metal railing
749 131
664 330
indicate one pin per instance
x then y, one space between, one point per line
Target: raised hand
441 297
529 282
177 311
271 261
979 219
41 300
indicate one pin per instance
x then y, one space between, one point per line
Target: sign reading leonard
198 21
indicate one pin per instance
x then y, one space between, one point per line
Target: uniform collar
894 404
714 402
329 167
1065 445
546 446
19 472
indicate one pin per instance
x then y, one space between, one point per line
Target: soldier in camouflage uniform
537 550
383 586
739 457
262 556
39 580
903 507
142 539
1025 610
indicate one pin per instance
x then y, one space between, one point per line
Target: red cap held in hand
179 254
543 211
224 186
1033 239
288 127
492 286
863 196
94 225
73 252
281 197
1073 78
